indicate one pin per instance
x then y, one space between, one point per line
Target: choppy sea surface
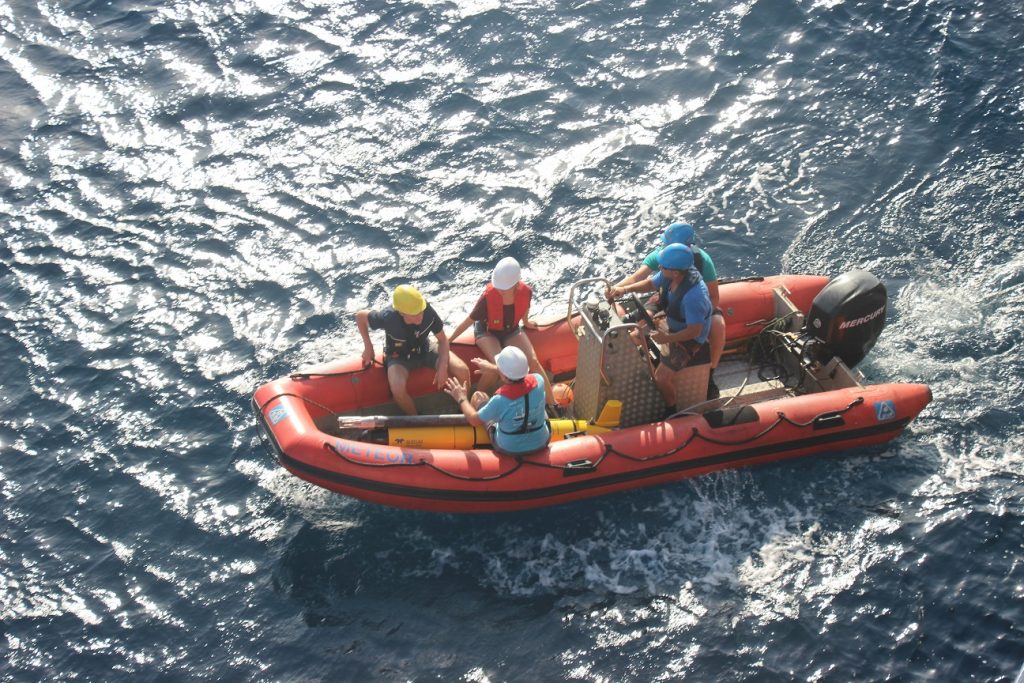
195 196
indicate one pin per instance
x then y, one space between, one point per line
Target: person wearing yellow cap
407 327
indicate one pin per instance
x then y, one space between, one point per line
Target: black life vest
691 280
410 345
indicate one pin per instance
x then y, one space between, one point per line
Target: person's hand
368 356
612 293
455 389
660 337
530 324
484 365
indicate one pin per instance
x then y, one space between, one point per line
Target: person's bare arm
363 325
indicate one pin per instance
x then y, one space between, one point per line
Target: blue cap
678 233
676 257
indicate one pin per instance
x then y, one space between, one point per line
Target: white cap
512 363
506 274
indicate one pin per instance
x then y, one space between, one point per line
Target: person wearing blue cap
683 233
687 314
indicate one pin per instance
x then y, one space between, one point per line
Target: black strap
526 413
524 428
525 431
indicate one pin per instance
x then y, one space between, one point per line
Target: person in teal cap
683 233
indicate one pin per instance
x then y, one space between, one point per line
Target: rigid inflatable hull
291 408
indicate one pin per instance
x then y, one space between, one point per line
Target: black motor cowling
846 317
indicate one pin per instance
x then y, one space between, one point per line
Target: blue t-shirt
707 266
687 309
508 414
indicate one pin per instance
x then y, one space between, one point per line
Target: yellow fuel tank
466 437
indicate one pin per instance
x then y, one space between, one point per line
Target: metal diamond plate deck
610 366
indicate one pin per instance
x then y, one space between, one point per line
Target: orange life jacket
496 307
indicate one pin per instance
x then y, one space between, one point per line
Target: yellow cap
408 301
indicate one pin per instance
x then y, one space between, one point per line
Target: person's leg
398 378
458 369
675 358
490 347
664 379
717 339
523 343
716 344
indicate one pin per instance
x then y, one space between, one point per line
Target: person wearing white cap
499 320
514 415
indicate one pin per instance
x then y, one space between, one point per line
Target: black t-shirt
402 339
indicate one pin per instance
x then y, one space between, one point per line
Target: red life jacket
496 307
518 389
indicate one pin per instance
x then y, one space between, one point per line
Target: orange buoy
563 394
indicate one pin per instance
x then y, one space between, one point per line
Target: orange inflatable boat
787 381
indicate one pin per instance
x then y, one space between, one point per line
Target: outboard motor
846 317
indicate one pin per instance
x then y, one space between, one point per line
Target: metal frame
611 366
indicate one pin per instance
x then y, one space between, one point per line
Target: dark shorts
480 329
422 360
688 353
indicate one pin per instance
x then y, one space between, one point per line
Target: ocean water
195 196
